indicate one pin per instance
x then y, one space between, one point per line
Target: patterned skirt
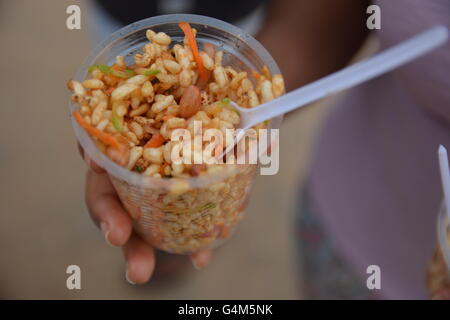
324 273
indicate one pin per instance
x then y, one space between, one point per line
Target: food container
181 215
438 275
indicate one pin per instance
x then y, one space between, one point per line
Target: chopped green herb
118 74
117 123
130 72
226 103
104 68
123 74
209 205
139 168
151 72
92 68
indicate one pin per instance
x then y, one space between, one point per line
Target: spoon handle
355 74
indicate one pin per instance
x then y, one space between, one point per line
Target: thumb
201 258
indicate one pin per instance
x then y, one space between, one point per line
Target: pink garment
375 178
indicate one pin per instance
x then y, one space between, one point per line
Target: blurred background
44 224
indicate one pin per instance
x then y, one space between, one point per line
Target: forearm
311 38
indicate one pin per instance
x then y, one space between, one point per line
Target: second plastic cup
438 275
181 215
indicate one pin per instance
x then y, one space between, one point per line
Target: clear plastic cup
438 275
181 215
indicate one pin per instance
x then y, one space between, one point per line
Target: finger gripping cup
181 215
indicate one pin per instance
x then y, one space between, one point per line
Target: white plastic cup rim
134 178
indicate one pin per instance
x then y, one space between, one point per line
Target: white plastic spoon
348 77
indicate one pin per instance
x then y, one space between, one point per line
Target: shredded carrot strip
256 74
167 117
189 33
265 71
93 131
117 68
110 90
224 232
202 82
156 141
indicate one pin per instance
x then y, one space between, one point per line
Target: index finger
106 209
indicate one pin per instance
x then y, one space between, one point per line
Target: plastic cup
181 215
438 275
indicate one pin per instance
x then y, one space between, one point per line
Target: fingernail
105 228
195 264
128 278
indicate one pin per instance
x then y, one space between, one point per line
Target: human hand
107 212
